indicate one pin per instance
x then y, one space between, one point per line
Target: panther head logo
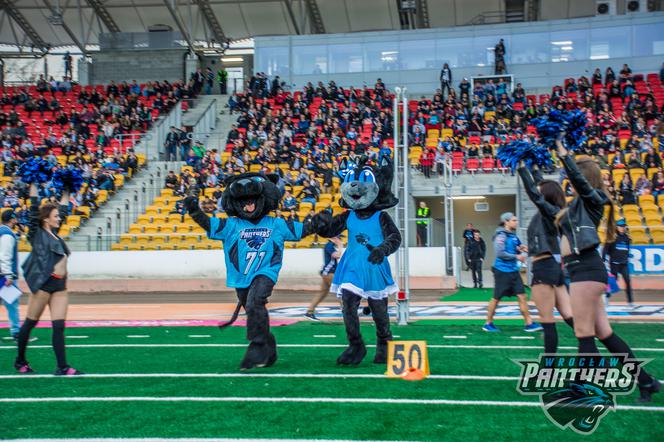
362 238
579 405
255 242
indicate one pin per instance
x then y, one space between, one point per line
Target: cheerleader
45 272
548 281
579 241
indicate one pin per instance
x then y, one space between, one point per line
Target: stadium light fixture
231 59
562 43
567 48
468 197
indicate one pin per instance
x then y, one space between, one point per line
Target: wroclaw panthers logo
577 391
256 237
579 405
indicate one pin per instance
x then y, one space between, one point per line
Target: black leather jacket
584 213
542 230
47 249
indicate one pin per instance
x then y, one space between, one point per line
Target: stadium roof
45 24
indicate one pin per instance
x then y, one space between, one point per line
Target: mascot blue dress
364 271
253 250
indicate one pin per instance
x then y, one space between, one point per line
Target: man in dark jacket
618 253
445 79
474 252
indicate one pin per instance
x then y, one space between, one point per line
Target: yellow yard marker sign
407 357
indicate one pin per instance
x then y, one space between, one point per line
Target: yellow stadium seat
653 219
74 220
633 219
630 208
652 171
489 115
135 229
640 238
150 229
118 246
650 208
618 175
84 211
433 133
644 199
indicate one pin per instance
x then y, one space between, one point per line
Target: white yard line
451 346
200 336
522 337
455 337
77 337
337 400
255 375
138 336
325 336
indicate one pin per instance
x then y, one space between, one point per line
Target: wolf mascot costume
363 271
253 249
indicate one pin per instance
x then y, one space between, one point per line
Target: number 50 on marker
404 355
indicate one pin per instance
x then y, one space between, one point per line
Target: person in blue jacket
507 279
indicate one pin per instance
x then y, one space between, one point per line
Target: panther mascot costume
253 249
363 271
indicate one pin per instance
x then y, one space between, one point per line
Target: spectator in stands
289 202
426 162
652 159
209 81
661 74
609 76
643 186
597 77
658 185
627 190
499 52
445 79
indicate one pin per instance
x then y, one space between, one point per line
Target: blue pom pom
35 170
550 126
68 178
520 150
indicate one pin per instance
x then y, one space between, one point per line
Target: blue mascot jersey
253 249
354 272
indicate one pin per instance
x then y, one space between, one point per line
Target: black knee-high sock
58 341
587 345
617 346
570 322
550 337
23 337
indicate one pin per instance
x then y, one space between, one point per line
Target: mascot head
251 196
579 405
366 187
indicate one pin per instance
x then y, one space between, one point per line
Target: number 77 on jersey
403 356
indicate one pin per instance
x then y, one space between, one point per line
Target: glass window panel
648 40
309 60
346 58
273 60
483 53
381 56
454 51
418 54
529 48
609 43
569 46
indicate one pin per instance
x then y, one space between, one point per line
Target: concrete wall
142 66
187 264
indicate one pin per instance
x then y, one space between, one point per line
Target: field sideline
184 382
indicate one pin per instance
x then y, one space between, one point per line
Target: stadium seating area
293 135
92 128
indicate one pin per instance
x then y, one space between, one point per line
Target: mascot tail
223 325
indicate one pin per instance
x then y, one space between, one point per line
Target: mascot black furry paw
253 249
364 271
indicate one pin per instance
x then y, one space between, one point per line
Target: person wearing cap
9 266
617 252
332 254
510 257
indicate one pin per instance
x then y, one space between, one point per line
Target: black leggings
623 270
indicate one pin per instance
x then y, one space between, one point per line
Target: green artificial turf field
466 294
184 382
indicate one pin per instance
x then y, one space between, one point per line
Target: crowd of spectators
617 108
78 126
302 137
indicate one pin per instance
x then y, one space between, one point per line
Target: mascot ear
273 177
229 180
344 164
385 162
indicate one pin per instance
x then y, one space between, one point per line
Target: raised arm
583 188
529 184
194 209
63 208
34 211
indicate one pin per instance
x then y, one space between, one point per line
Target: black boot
356 350
383 334
646 390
